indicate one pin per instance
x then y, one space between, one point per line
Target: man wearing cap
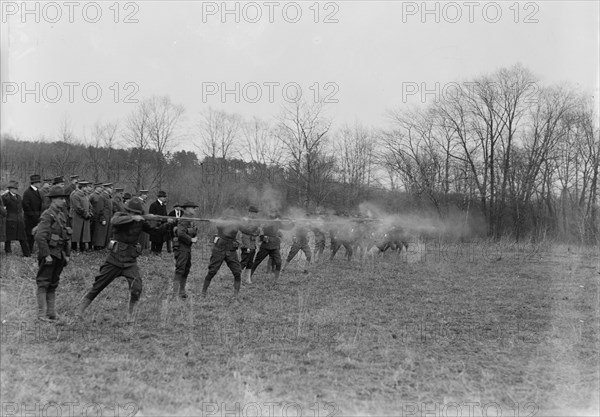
32 207
73 185
118 204
46 184
159 207
81 213
53 239
185 233
126 198
15 219
144 237
248 247
225 249
94 197
102 214
122 258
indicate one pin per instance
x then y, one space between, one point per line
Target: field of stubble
471 330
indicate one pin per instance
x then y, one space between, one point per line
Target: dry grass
475 323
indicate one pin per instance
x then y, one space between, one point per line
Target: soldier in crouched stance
184 236
54 242
122 258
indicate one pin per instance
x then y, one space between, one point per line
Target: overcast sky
361 54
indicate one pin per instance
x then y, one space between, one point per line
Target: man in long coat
15 219
159 207
68 190
44 190
81 213
94 197
144 239
32 207
103 212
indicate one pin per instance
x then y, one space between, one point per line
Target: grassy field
463 330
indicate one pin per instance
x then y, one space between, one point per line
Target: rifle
199 219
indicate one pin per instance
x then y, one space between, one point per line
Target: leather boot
236 290
182 293
83 304
176 284
42 305
205 287
131 312
51 300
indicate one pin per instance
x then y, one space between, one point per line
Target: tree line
502 151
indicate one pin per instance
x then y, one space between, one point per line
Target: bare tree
164 117
137 133
303 130
261 144
219 133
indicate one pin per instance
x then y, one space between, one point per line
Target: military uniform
53 238
248 247
341 236
102 215
122 258
320 239
80 214
225 249
270 246
184 236
300 242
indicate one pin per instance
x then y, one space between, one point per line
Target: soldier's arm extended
121 218
185 234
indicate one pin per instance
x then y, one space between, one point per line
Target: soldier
94 197
118 204
299 242
271 243
341 235
144 237
46 184
248 247
185 233
159 207
126 198
225 249
68 190
102 214
53 239
32 207
320 238
122 258
15 219
73 185
81 213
